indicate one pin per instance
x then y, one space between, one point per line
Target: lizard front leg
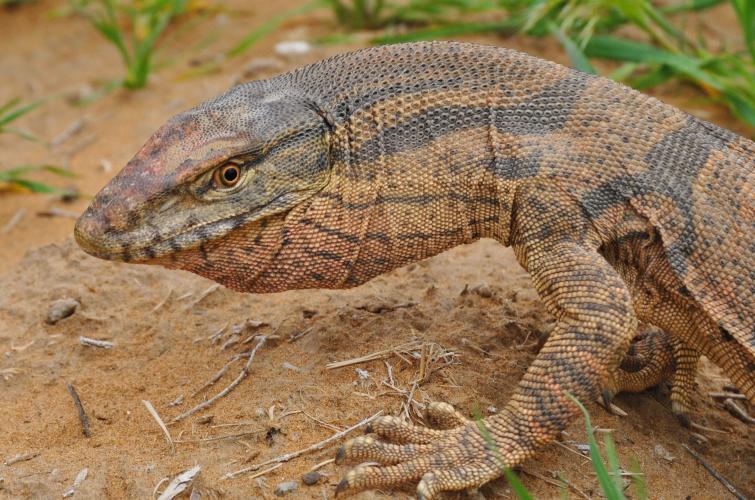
595 324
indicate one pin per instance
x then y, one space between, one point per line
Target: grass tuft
16 178
13 110
133 28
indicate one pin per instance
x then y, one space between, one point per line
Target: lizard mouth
148 243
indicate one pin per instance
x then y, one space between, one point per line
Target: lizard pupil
228 175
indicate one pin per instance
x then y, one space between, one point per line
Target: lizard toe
457 478
442 415
370 448
395 430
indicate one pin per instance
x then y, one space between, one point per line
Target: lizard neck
398 206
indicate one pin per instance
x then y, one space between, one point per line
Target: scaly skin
621 208
655 357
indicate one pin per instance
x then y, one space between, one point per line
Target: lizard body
622 209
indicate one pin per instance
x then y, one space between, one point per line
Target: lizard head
250 154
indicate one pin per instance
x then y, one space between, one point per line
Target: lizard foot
453 456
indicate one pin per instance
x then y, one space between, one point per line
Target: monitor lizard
622 209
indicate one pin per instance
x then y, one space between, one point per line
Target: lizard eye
227 176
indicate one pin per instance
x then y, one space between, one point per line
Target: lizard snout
91 235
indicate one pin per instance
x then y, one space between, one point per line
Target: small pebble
285 488
363 374
311 478
292 48
206 419
663 453
61 308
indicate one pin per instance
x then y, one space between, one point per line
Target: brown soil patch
161 355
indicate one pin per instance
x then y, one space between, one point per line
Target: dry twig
164 301
104 344
218 375
296 336
244 373
21 457
80 407
59 212
555 483
468 343
156 416
202 296
263 472
219 438
322 464
71 130
180 483
317 446
375 355
17 217
715 473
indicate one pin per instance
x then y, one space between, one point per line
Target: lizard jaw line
148 247
129 249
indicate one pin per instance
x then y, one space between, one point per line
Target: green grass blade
63 172
514 482
578 58
17 177
623 72
610 47
613 461
638 479
504 27
606 482
743 109
658 76
17 172
9 114
34 186
692 5
23 134
267 27
727 76
516 485
745 10
9 104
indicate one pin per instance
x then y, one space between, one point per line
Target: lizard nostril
89 232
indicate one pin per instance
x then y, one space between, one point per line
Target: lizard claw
450 459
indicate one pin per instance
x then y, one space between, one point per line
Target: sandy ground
160 322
